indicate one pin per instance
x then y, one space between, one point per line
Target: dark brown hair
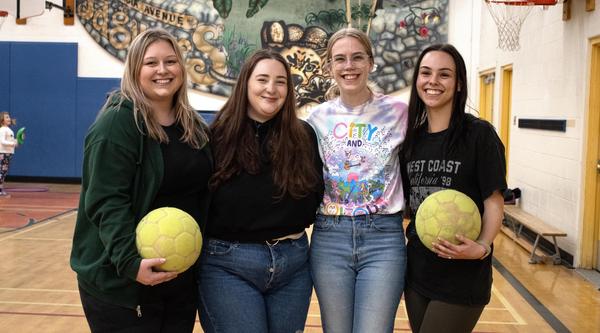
417 112
236 147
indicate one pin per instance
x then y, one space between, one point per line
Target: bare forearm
492 217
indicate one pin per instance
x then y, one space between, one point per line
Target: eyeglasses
357 60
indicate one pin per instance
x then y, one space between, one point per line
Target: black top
244 207
186 174
184 185
477 169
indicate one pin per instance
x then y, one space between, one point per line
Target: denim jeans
358 265
254 287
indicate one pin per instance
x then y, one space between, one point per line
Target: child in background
7 148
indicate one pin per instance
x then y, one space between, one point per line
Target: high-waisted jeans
254 287
358 265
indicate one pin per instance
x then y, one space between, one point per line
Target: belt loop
368 219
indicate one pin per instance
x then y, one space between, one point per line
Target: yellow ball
445 214
172 234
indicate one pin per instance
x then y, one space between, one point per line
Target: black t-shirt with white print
477 168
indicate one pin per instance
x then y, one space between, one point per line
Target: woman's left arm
493 212
479 249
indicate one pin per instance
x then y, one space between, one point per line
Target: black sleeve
491 163
314 142
405 182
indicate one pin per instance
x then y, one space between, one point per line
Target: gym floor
38 290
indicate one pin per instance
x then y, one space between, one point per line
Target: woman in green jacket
147 149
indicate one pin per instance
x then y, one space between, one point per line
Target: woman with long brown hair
254 274
448 288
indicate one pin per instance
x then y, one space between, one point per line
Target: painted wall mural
217 35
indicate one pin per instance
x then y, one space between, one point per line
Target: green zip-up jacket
122 172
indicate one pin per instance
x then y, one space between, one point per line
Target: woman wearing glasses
358 254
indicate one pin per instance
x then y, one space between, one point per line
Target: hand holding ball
445 214
172 234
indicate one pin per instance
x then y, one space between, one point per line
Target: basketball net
3 16
509 16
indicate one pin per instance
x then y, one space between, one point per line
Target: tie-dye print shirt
359 148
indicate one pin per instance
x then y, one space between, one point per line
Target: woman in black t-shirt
447 288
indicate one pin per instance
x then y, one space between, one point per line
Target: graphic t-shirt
359 148
477 169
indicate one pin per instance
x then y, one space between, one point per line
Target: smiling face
161 75
267 89
350 66
436 81
5 121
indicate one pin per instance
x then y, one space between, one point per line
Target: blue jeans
358 265
254 287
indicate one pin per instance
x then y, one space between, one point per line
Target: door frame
487 114
505 109
591 209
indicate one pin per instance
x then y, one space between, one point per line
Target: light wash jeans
252 287
358 265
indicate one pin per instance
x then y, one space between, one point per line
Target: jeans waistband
268 242
366 217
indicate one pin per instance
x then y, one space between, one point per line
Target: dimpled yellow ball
445 214
172 234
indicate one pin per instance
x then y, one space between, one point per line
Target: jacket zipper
139 311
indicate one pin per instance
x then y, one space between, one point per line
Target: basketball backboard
22 9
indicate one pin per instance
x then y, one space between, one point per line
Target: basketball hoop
509 15
3 16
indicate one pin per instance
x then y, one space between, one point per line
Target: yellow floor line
44 239
35 227
42 290
508 306
46 304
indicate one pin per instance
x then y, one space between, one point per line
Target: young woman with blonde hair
147 149
358 255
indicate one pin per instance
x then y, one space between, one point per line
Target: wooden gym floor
38 290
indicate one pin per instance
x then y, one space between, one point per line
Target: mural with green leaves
216 36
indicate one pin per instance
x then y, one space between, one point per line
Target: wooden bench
518 218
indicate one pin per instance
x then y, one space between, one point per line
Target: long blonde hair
194 127
363 39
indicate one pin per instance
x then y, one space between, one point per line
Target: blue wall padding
91 95
43 80
4 76
208 116
39 86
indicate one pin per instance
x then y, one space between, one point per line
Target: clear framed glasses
358 60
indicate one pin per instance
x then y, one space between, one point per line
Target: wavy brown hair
236 148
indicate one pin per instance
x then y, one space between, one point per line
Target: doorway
590 254
486 95
505 107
